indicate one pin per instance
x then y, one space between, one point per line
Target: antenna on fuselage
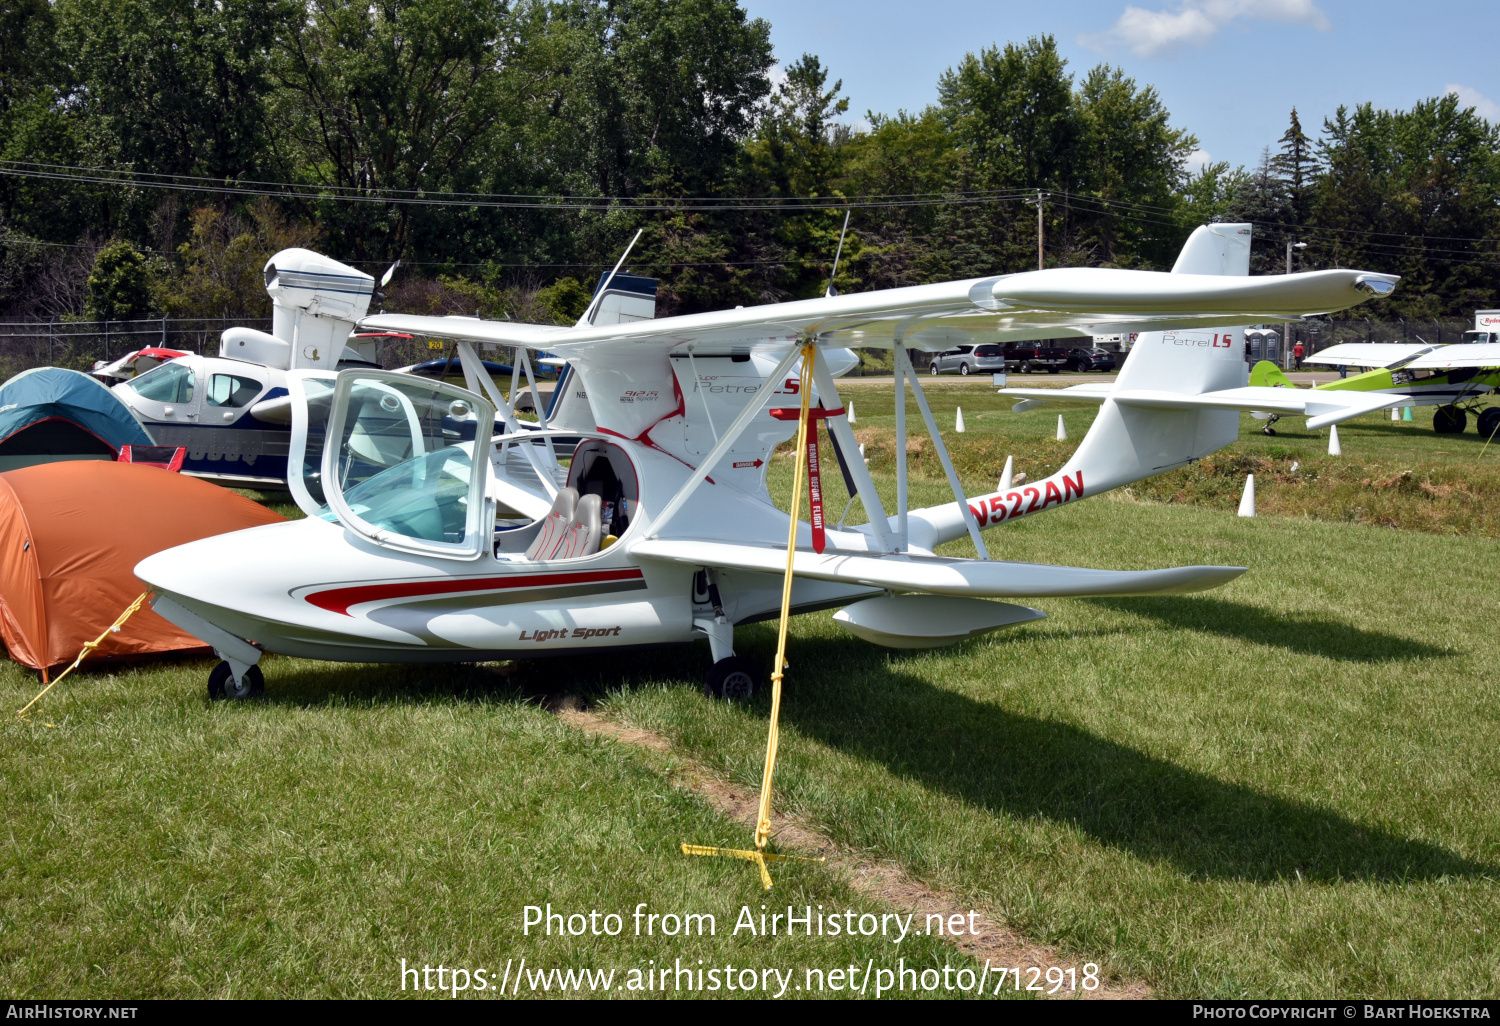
831 291
599 295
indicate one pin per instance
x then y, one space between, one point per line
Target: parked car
1081 360
981 359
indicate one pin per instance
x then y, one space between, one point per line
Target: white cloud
1198 160
1194 22
1470 97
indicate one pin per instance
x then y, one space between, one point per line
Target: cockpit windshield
425 498
399 465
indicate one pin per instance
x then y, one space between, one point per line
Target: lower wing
939 575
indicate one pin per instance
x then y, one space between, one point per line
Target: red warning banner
815 488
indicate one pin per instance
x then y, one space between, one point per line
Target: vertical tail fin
1128 443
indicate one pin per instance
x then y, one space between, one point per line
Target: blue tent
50 413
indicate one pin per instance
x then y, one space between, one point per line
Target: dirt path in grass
883 881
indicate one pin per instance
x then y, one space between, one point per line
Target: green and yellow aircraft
1454 378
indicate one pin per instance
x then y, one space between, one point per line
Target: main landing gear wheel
1489 422
1449 420
732 679
221 683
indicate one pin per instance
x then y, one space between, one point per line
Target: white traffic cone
1247 501
1334 449
851 413
1006 474
1062 431
959 423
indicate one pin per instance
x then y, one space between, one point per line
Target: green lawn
1287 787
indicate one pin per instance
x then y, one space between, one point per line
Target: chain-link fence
81 344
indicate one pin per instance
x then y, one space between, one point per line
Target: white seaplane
445 541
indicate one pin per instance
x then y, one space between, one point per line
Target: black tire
963 369
1268 430
932 369
221 685
1449 420
1079 367
1053 369
1489 422
1025 366
733 679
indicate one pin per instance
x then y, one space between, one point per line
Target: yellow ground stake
87 648
773 735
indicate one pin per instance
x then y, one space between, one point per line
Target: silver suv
984 359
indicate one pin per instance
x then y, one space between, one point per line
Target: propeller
385 279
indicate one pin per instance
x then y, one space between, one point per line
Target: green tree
119 286
1012 110
176 86
1128 154
1297 164
392 95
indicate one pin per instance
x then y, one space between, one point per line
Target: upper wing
473 329
1072 301
1366 354
1321 408
939 575
1474 354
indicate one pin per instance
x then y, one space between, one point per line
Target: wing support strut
750 412
839 428
904 363
475 374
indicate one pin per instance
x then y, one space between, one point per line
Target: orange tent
72 533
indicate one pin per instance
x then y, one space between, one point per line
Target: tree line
505 151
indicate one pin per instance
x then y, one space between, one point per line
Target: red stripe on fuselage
338 600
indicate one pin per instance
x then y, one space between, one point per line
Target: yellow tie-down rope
773 735
87 648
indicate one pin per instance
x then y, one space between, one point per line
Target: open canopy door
405 463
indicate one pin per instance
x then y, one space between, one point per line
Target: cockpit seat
582 536
555 525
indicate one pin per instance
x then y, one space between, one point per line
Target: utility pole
1286 331
1040 258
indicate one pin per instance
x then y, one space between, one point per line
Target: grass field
1283 788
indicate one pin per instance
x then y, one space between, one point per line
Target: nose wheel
732 679
222 685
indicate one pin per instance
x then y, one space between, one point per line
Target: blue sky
1229 71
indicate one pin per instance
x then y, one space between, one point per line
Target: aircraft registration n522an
436 535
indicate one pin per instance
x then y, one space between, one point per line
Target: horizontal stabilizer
1321 408
939 575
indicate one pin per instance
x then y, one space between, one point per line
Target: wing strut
750 412
475 374
839 428
904 362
